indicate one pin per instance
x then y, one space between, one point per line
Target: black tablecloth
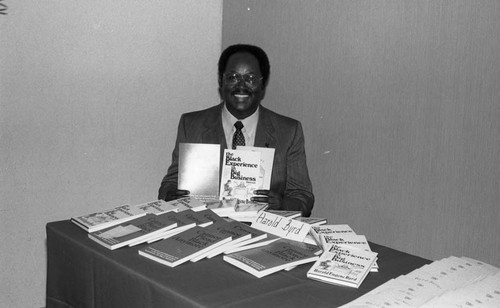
81 273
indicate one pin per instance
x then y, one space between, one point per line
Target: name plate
281 226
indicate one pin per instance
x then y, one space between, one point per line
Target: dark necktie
238 138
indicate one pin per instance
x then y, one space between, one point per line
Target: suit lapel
214 133
265 135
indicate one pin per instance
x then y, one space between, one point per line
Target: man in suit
243 75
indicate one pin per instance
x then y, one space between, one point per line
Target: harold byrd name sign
281 226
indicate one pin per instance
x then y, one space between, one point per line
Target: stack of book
104 219
346 259
197 243
281 254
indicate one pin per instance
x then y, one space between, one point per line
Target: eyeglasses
250 80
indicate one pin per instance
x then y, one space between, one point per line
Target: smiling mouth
241 95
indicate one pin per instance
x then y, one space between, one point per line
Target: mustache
242 91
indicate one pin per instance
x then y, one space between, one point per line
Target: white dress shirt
249 127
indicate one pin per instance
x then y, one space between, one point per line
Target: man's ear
263 93
220 92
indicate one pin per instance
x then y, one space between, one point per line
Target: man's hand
176 194
273 199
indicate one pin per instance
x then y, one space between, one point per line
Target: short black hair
257 52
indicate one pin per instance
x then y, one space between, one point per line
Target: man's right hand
176 194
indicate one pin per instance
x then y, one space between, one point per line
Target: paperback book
134 231
199 165
270 238
266 164
185 220
269 259
288 214
161 206
185 246
240 173
233 229
107 218
338 229
255 236
347 239
313 221
343 265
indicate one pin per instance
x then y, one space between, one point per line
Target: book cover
107 218
201 218
255 235
274 257
266 164
185 220
233 229
133 231
343 265
349 239
316 231
199 165
184 246
240 173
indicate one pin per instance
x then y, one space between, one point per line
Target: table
81 273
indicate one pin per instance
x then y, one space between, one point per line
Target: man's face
242 99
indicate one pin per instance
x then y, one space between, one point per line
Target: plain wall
400 103
90 97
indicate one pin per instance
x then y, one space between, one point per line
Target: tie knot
238 125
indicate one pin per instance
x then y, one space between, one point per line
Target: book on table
107 218
233 229
185 246
240 173
104 219
136 230
161 206
199 165
349 239
334 229
271 258
285 213
255 236
185 220
250 244
313 221
343 265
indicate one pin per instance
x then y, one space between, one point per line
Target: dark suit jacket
290 176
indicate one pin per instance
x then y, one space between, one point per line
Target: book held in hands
266 164
240 174
199 165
